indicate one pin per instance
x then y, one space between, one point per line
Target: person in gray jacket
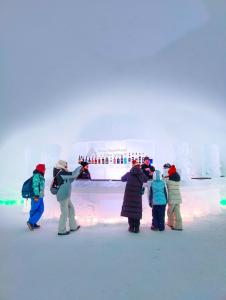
64 179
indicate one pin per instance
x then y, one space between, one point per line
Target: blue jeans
37 209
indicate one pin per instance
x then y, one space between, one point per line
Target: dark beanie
83 164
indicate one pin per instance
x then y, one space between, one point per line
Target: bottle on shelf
129 158
103 160
121 160
125 159
118 160
114 160
139 158
106 160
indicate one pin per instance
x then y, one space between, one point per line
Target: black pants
134 223
158 217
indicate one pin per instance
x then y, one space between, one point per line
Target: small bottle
140 159
95 161
99 161
121 161
103 160
114 160
125 159
118 160
129 159
106 160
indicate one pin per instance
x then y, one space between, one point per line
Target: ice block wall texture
109 70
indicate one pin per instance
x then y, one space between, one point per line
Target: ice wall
81 71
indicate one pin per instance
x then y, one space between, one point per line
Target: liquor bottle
111 160
103 160
118 160
132 156
125 159
95 161
89 160
99 161
129 158
140 160
121 159
106 160
114 160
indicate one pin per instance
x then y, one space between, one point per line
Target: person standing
37 203
64 179
84 174
174 199
132 202
158 200
147 168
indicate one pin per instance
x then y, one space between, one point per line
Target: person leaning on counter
84 174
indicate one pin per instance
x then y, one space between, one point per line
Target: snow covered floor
109 263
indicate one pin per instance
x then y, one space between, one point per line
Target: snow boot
30 226
36 226
65 233
77 228
154 228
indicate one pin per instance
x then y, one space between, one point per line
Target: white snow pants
67 211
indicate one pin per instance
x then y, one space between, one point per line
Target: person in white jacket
64 179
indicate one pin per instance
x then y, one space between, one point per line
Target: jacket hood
157 175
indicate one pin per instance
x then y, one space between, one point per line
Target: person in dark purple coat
132 202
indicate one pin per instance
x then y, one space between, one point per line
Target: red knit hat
135 162
41 168
172 170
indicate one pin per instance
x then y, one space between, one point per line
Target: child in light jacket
157 200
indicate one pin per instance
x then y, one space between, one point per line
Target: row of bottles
113 159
